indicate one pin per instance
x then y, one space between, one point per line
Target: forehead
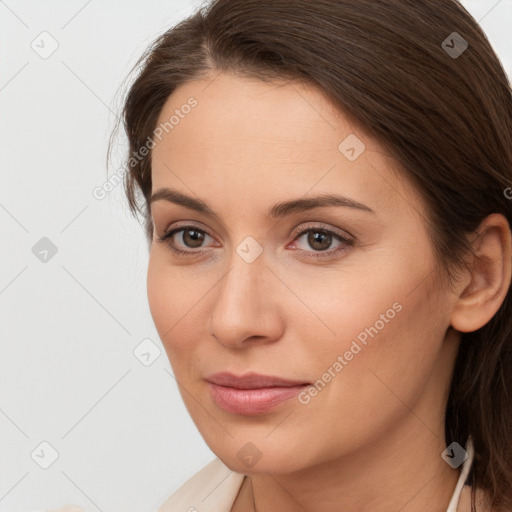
248 139
271 113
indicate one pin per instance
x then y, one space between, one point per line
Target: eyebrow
278 210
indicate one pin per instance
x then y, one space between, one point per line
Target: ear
481 293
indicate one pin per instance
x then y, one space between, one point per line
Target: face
335 298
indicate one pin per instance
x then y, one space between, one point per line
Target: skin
372 438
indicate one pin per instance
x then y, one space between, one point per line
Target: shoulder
213 488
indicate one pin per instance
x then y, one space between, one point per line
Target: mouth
251 394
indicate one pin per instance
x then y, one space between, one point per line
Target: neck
404 473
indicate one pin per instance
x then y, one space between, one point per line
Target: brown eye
192 238
319 240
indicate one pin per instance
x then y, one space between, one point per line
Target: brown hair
445 117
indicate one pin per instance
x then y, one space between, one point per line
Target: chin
253 458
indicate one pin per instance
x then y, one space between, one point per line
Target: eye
320 239
190 237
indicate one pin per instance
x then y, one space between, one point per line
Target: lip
252 393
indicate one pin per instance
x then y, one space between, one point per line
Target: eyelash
347 242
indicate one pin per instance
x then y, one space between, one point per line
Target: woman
326 194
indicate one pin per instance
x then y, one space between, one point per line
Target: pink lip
251 394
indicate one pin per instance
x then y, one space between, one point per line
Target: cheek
172 295
354 302
386 322
158 288
386 346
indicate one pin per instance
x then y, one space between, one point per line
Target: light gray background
69 326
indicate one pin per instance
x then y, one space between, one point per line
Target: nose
245 305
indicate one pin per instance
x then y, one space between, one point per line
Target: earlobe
490 275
